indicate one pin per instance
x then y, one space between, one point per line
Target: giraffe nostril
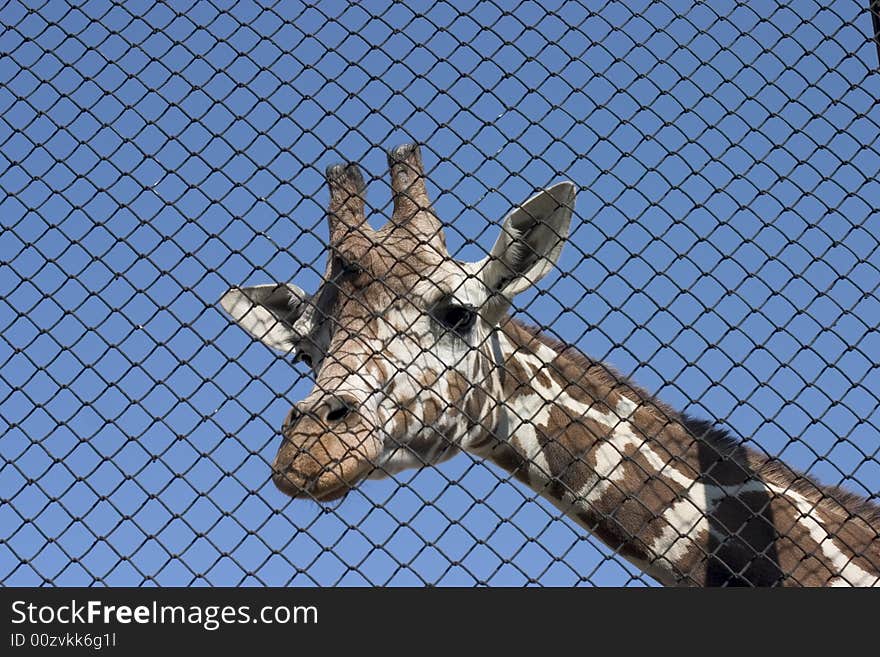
338 409
292 417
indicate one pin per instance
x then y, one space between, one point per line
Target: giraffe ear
531 240
267 312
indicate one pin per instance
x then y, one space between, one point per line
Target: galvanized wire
724 254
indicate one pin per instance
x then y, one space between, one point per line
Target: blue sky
724 253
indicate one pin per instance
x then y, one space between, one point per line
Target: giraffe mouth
329 487
337 494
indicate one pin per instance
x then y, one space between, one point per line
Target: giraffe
415 359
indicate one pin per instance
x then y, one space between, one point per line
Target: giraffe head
400 335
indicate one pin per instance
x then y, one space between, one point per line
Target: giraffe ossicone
416 359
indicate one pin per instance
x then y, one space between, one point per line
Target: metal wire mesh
723 254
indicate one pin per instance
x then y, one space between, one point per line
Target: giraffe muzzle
327 449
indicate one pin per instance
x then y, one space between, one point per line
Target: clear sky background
724 253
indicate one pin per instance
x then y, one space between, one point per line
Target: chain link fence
723 254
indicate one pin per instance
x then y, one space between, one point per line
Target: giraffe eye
460 319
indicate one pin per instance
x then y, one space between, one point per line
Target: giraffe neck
675 497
